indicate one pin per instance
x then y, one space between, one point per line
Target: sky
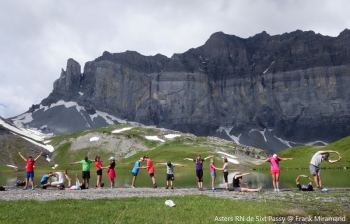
37 37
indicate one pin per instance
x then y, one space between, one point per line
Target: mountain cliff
256 90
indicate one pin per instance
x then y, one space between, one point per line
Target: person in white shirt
315 163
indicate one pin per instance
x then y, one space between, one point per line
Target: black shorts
86 174
199 174
134 174
151 174
225 176
44 182
170 177
99 172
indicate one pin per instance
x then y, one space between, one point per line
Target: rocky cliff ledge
294 84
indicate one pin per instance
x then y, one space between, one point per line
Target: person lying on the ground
238 188
77 186
20 183
304 187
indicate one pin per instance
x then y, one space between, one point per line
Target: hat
170 203
112 158
274 155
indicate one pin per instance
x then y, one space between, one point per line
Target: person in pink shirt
213 169
29 169
275 170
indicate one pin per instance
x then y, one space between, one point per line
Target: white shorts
57 183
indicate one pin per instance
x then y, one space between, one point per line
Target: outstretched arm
188 159
38 156
330 151
161 163
334 161
298 178
19 153
208 157
217 168
73 163
241 175
178 164
286 158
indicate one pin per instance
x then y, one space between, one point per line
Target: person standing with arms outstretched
86 170
315 163
170 173
135 171
275 170
29 169
199 169
150 169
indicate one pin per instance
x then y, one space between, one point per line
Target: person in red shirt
150 169
30 169
98 164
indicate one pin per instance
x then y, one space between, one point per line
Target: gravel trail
16 193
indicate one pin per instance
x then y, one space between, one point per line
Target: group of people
274 160
314 167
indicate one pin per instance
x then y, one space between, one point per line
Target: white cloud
38 36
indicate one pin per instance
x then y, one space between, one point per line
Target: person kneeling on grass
170 173
238 188
304 187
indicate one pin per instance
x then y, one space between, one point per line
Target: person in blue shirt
135 171
45 179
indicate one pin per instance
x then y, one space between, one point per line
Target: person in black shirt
238 188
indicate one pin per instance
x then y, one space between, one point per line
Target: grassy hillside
302 156
129 145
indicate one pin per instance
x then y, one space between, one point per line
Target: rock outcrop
295 85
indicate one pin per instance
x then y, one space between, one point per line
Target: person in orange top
150 169
30 169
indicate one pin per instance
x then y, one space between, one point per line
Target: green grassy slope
174 150
302 156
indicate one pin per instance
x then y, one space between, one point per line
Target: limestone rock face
294 85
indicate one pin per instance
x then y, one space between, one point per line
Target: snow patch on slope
155 138
227 130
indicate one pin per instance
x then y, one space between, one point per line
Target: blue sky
37 37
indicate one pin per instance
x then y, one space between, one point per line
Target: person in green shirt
86 170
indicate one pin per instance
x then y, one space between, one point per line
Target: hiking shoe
166 187
25 188
213 190
132 186
33 188
277 190
172 188
154 185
